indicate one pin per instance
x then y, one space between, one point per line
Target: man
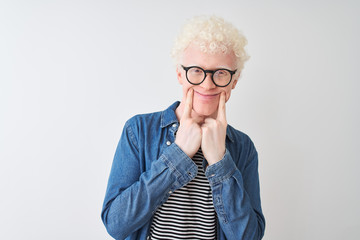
184 173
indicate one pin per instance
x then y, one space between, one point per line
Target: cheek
186 87
228 94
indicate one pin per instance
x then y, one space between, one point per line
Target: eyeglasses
220 77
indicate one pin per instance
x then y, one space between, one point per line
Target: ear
235 81
179 74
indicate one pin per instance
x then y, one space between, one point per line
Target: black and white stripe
189 212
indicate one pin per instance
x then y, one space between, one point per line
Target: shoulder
142 121
238 137
240 146
153 120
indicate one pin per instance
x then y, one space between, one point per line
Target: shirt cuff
180 164
221 170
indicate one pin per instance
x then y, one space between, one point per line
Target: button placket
171 134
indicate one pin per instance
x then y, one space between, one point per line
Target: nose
208 84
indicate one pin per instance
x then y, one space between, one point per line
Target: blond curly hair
213 34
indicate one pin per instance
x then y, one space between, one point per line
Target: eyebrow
218 67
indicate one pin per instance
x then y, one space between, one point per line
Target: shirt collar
168 117
229 134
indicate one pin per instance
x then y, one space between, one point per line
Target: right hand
188 136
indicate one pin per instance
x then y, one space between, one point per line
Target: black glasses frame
205 74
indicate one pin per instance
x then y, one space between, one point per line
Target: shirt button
168 143
170 192
174 125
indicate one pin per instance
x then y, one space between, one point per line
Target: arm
234 182
132 196
236 197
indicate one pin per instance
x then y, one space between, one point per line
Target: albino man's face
207 94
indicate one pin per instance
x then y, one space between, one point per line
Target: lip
207 96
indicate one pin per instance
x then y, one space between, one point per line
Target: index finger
221 115
188 103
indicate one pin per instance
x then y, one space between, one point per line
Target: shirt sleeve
236 197
132 196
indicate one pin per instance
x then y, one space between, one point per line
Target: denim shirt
148 166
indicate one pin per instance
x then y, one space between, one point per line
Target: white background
72 72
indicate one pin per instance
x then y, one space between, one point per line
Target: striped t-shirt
189 212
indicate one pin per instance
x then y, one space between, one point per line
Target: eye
221 73
195 70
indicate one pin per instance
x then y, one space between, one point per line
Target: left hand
214 134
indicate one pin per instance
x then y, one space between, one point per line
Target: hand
214 134
188 136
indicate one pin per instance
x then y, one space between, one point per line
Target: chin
205 111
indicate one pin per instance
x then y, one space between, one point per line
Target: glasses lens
222 77
195 75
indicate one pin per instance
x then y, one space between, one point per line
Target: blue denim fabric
148 166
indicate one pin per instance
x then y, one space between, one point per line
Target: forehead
194 56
